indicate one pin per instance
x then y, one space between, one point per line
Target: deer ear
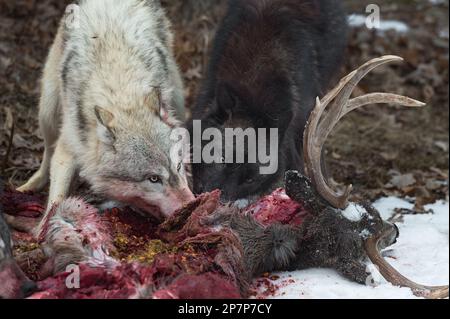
105 129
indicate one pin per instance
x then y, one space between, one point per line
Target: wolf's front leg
49 114
62 172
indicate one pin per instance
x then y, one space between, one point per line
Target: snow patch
387 206
360 20
437 1
354 212
242 203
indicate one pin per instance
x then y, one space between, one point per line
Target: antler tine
336 101
378 98
396 278
337 104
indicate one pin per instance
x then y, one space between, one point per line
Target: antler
328 112
397 279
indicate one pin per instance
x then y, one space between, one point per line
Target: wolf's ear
105 130
156 104
227 101
154 101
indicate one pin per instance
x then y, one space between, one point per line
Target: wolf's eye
179 167
155 179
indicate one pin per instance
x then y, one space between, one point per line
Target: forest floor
381 150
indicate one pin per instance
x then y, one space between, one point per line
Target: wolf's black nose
28 288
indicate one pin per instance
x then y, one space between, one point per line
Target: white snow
437 1
242 203
422 254
360 20
354 212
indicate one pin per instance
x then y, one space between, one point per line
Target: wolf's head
246 161
135 163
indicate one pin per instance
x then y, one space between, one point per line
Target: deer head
326 114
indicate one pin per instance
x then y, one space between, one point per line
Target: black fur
271 59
